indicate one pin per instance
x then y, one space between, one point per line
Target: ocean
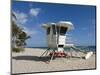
82 48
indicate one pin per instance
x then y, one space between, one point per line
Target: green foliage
15 29
17 49
19 36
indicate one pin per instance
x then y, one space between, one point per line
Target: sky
32 15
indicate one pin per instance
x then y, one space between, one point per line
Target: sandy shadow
77 57
37 58
31 58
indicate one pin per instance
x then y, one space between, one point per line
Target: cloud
29 31
21 17
34 11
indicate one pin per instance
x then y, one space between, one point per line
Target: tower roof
66 24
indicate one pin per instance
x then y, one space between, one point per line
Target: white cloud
21 17
30 32
34 11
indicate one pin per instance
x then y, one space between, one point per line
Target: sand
29 61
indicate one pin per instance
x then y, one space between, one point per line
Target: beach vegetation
17 49
19 36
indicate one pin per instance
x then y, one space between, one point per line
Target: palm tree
22 37
19 37
15 33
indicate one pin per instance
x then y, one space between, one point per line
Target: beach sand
29 61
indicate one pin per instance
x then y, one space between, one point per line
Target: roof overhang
65 24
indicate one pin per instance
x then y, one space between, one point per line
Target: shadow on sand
37 58
31 58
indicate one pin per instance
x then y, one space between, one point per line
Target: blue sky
31 16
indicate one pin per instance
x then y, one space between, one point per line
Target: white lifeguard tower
56 39
56 34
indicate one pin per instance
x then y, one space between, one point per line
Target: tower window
54 29
48 31
63 30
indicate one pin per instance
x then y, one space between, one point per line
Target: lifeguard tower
56 39
56 34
